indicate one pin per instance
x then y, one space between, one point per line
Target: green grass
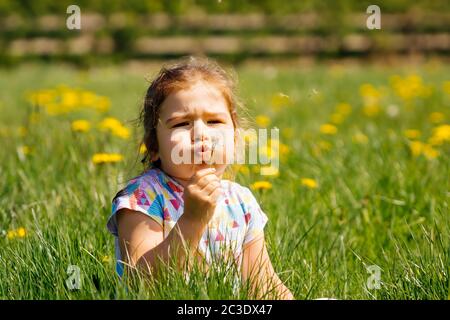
375 204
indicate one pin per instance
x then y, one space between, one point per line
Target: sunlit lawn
363 180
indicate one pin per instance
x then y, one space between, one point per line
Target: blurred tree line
123 29
177 7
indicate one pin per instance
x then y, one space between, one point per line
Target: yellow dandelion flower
261 185
244 170
109 123
370 94
433 141
328 129
21 232
436 117
121 132
11 234
262 121
64 99
440 135
367 89
412 133
416 148
429 152
419 148
100 158
309 183
142 148
53 109
41 97
115 127
360 138
410 87
81 125
106 259
269 171
69 99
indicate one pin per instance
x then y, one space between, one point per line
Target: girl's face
191 122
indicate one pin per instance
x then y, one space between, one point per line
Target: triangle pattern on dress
175 203
219 236
141 197
167 216
247 217
173 186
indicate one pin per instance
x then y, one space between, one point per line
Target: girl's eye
181 124
214 121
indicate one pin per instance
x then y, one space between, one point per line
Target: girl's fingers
207 179
201 173
216 194
210 187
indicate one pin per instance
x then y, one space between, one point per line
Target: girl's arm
257 268
142 244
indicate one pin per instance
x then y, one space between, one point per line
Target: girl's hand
201 194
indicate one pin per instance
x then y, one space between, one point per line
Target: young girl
184 210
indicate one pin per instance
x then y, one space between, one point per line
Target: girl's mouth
206 151
201 148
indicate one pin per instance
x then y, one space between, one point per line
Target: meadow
363 182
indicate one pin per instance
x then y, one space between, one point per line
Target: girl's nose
200 131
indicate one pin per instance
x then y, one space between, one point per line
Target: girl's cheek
180 138
229 140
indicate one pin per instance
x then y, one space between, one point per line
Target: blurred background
119 30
